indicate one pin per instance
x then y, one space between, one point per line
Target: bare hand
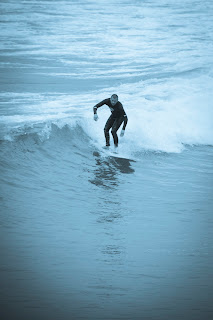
95 117
122 132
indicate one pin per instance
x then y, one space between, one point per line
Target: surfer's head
114 99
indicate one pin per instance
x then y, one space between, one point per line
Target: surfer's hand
95 117
122 132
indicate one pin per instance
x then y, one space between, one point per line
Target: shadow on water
108 168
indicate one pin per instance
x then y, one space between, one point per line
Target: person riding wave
117 117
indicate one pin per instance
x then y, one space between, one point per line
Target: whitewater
87 233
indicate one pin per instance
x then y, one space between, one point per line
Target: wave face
154 123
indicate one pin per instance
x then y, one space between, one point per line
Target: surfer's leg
116 125
107 127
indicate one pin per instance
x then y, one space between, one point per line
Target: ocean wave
168 128
163 116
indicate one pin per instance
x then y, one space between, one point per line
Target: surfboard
115 153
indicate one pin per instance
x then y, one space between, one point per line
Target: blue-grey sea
86 233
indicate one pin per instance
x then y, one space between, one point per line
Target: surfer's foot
116 145
106 147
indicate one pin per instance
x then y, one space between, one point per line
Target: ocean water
88 233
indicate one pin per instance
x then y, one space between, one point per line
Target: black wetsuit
117 117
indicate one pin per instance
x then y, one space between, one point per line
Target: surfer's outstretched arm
125 122
98 105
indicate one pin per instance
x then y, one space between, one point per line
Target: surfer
118 116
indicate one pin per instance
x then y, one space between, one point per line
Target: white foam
178 112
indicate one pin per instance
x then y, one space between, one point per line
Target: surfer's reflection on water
108 168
